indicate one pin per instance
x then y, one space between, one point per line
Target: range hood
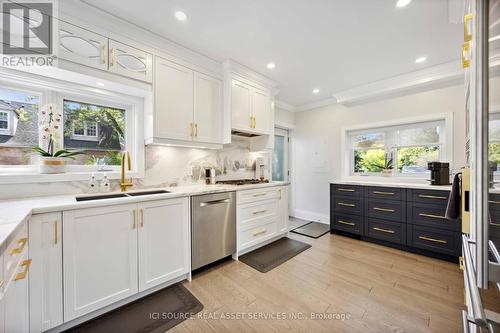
244 134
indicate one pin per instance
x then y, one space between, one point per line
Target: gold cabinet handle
55 232
262 231
22 243
2 282
26 264
433 216
142 218
430 239
103 54
387 231
279 192
346 190
134 218
113 58
254 122
251 122
424 196
494 202
195 129
384 209
467 20
191 130
465 50
346 223
495 224
383 193
346 204
259 194
259 212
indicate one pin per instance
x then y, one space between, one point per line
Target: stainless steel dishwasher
213 228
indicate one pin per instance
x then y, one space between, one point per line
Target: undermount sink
119 195
135 194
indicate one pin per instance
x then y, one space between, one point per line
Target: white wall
283 117
318 157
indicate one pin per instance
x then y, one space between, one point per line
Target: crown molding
249 74
284 106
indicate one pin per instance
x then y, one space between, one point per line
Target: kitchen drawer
346 190
431 216
15 251
386 193
435 240
255 211
255 235
385 230
348 223
257 195
429 196
386 210
350 205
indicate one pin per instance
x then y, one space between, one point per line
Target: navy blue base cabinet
410 219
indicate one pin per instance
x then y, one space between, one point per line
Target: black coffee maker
440 173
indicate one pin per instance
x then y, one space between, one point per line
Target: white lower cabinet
164 251
45 275
283 209
100 257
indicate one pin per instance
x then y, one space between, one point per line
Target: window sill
389 179
34 177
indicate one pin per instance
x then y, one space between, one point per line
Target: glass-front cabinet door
82 46
129 61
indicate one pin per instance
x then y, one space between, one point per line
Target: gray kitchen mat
274 254
313 229
156 313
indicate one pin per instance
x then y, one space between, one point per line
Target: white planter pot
52 165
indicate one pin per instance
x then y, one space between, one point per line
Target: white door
129 61
241 105
261 110
45 249
283 209
208 113
100 257
173 101
164 242
16 300
82 46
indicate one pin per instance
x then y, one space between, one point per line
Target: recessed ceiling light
100 84
402 3
315 91
181 16
420 60
271 65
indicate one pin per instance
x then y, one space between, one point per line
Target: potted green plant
388 165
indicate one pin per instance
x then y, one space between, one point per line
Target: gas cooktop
242 181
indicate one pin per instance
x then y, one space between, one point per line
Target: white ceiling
332 45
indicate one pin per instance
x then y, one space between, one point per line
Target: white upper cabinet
129 61
173 101
208 115
45 275
251 108
83 46
164 251
100 258
188 107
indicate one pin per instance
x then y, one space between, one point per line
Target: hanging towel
454 201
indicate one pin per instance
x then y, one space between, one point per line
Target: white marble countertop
421 186
17 212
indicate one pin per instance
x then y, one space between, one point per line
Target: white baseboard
311 216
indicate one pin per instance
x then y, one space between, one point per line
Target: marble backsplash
164 166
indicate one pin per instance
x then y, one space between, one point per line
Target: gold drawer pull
22 243
26 264
142 218
346 223
346 204
467 35
494 202
134 218
346 190
433 216
383 193
259 194
433 239
263 231
465 50
55 232
384 209
495 224
424 196
259 212
387 231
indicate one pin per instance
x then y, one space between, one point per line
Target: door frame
286 159
291 163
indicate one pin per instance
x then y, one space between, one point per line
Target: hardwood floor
379 289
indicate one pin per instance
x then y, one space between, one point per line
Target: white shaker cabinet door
241 109
283 209
82 46
16 300
129 61
100 257
164 243
261 110
45 275
173 101
208 112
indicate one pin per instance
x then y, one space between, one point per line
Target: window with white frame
4 120
401 150
86 131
